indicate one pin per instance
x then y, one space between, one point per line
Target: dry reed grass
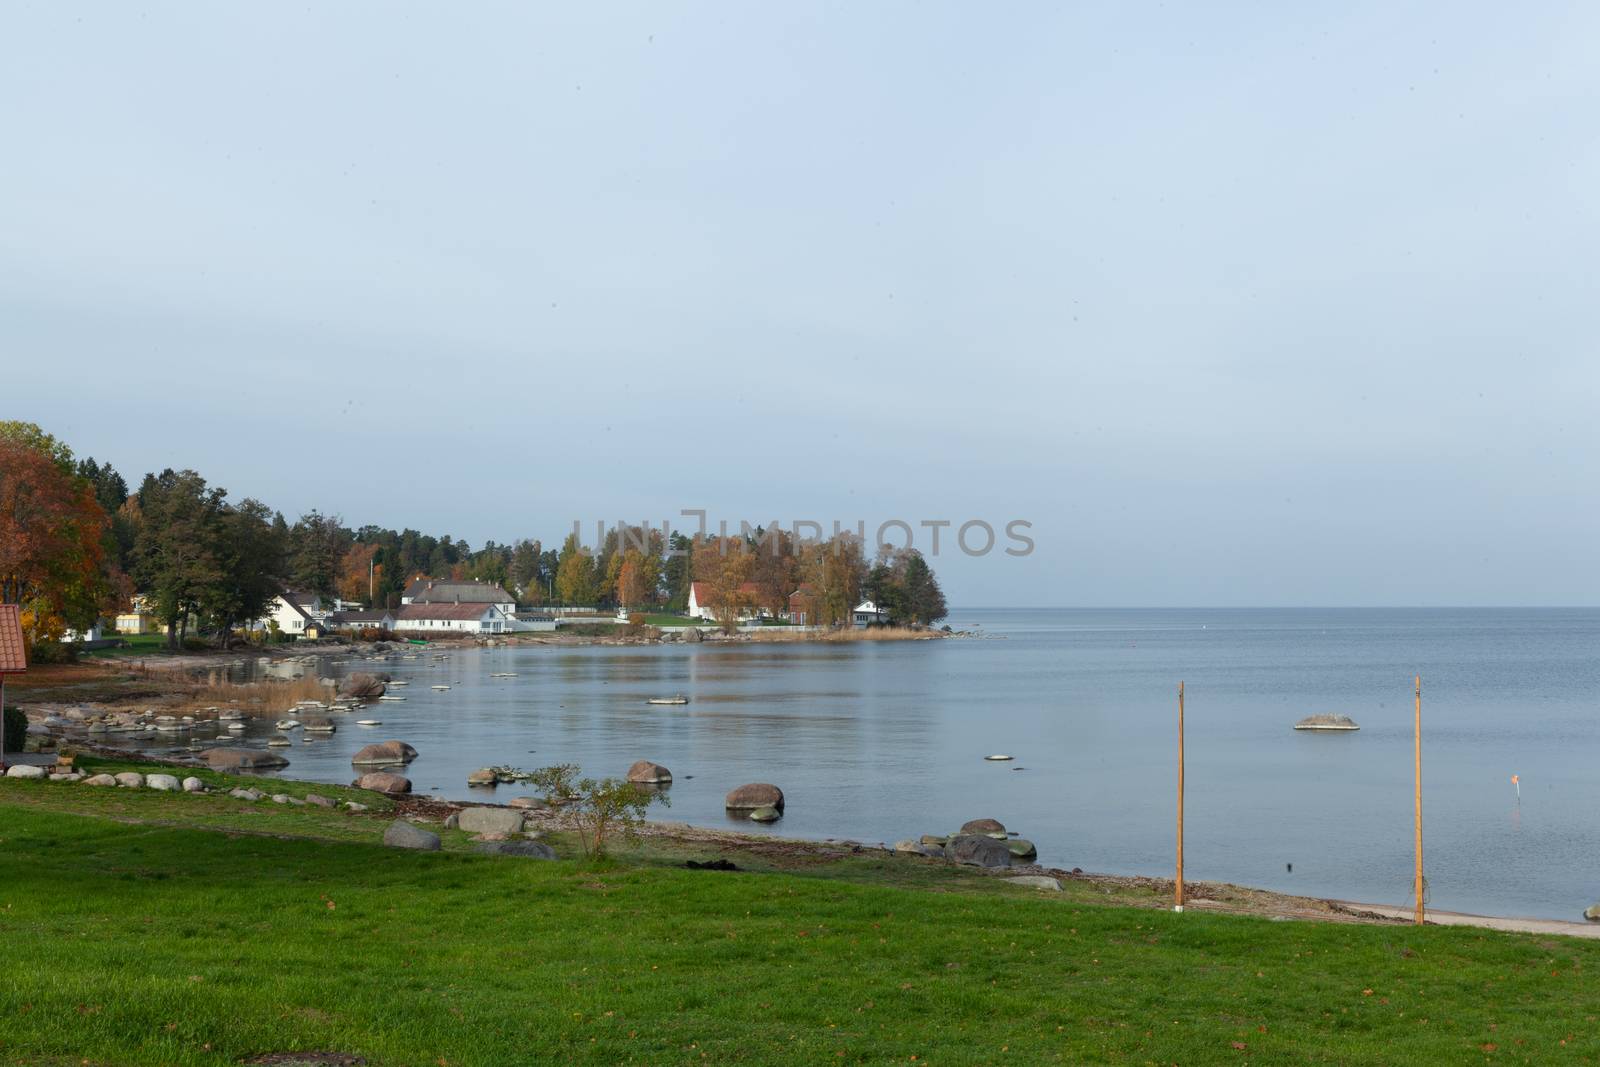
266 698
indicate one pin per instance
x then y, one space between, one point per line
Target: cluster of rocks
757 801
163 783
499 831
979 843
384 754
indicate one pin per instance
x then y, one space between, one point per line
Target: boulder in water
384 752
646 773
362 686
754 795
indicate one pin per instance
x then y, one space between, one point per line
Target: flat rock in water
1326 722
532 850
490 820
766 813
646 773
983 826
483 776
402 834
1035 881
976 850
754 795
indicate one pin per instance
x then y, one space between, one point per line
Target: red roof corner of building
13 650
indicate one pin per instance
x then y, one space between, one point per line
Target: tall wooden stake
1177 900
1418 754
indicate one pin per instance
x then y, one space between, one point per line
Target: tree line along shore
78 544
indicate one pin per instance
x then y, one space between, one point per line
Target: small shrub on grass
52 652
603 807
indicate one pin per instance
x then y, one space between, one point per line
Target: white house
442 619
292 611
749 597
869 614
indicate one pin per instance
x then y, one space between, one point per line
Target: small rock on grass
100 779
355 806
193 785
25 770
402 834
319 800
130 779
164 783
1036 881
246 794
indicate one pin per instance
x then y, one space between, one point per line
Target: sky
1233 304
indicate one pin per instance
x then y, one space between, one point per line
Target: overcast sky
1236 304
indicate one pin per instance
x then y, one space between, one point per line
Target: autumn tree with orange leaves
54 561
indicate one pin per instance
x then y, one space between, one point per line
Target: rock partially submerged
241 759
384 752
754 795
363 687
646 773
983 826
482 776
1326 722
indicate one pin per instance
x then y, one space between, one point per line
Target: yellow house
137 621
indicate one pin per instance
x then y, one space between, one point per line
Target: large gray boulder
130 780
691 635
532 850
977 850
983 826
490 821
646 773
384 752
383 782
193 785
25 770
754 795
236 760
164 783
402 834
361 686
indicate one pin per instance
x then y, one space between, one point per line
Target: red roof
13 652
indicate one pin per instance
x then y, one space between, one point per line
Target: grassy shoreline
148 928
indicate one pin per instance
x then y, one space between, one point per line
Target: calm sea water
884 741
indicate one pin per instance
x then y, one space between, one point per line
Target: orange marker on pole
1516 780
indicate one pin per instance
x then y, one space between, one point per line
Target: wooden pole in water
1177 900
1418 761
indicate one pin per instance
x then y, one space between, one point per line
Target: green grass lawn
136 645
129 937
